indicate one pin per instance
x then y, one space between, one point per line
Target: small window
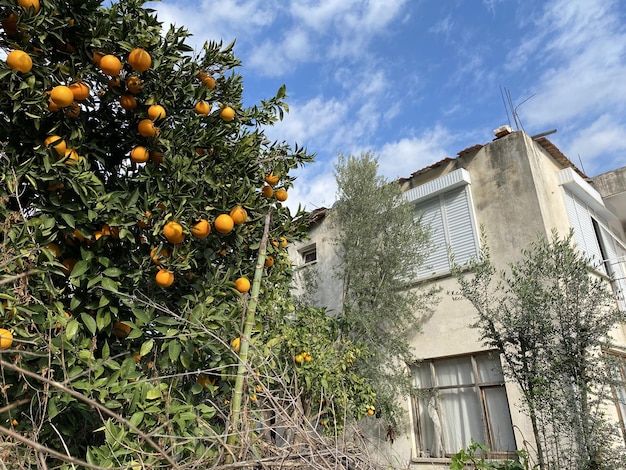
309 254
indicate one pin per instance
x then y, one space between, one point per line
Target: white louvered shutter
584 233
461 230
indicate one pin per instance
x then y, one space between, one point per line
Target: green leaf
136 418
69 220
146 347
174 350
113 272
80 268
71 329
153 394
89 322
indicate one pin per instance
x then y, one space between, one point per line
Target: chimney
502 131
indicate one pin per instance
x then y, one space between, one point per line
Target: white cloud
593 142
276 58
407 155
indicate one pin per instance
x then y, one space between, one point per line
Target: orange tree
131 204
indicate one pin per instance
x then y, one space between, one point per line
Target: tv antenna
505 93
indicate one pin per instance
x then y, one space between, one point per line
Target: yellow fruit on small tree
239 215
202 107
57 143
242 285
134 84
272 179
19 61
128 102
120 329
370 411
80 91
71 157
27 4
224 223
62 96
110 65
10 24
164 278
156 111
208 82
173 231
281 195
269 261
236 344
6 338
267 191
227 114
299 358
156 255
156 157
73 110
139 154
201 229
147 128
139 59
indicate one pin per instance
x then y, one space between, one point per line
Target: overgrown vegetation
144 278
551 317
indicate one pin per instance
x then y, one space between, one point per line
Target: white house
514 187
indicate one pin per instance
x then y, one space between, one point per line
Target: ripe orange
68 264
128 102
236 344
227 114
239 215
27 4
52 107
173 231
10 24
156 157
370 411
202 107
54 248
139 59
272 179
156 255
164 278
201 229
242 285
139 154
299 358
71 157
110 65
267 191
6 338
57 144
20 61
80 91
208 82
73 110
269 261
224 223
115 82
156 111
281 195
134 84
120 329
147 128
62 96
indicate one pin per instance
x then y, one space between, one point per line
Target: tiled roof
558 155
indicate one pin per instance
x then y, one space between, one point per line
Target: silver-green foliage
550 316
381 243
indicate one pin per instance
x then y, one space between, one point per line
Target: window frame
480 387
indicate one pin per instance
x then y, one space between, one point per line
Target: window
309 254
445 204
596 241
459 399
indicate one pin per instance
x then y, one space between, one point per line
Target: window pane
430 427
489 368
423 376
499 419
461 415
456 371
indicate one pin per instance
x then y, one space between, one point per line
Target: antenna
581 164
506 110
505 92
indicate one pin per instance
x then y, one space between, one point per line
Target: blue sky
415 81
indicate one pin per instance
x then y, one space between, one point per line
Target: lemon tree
120 299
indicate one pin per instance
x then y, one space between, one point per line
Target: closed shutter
449 218
614 263
461 230
584 233
432 217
